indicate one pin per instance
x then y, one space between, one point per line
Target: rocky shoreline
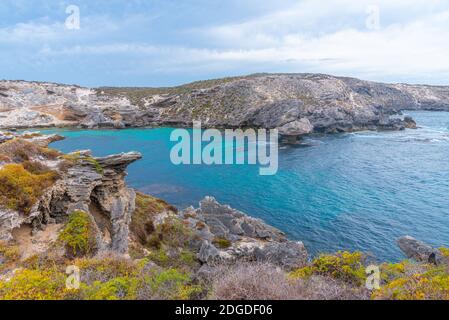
296 104
77 209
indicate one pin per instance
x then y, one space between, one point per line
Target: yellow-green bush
412 281
172 284
20 189
172 233
108 267
79 235
122 288
344 266
29 284
444 252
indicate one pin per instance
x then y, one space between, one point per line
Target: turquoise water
356 191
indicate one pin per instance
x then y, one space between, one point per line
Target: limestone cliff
295 103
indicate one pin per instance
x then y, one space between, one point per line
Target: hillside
296 104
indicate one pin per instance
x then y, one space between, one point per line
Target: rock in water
418 250
409 123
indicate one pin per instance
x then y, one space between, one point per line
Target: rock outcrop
297 104
225 235
97 186
418 250
93 185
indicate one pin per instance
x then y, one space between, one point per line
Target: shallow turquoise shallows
357 191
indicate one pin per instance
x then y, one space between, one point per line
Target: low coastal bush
263 281
9 255
147 207
221 243
413 281
19 150
27 284
344 266
102 278
79 236
171 233
20 189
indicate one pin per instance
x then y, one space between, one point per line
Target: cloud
300 36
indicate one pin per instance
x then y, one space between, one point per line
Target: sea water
353 191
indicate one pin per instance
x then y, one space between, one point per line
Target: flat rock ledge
225 235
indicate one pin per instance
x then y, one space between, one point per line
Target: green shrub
79 235
122 288
172 284
172 233
9 255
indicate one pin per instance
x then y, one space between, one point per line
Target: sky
170 42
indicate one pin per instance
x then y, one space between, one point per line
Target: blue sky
169 42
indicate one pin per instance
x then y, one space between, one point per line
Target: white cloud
314 36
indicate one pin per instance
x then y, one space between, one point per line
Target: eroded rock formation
225 235
93 185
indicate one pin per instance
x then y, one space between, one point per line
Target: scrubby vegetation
20 188
222 243
102 278
79 235
344 266
147 207
137 96
411 281
19 150
9 255
262 281
77 157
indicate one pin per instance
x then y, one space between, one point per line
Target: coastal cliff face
296 104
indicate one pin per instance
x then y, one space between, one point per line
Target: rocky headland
60 211
296 104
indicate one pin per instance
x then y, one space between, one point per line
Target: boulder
418 250
296 128
289 255
409 123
